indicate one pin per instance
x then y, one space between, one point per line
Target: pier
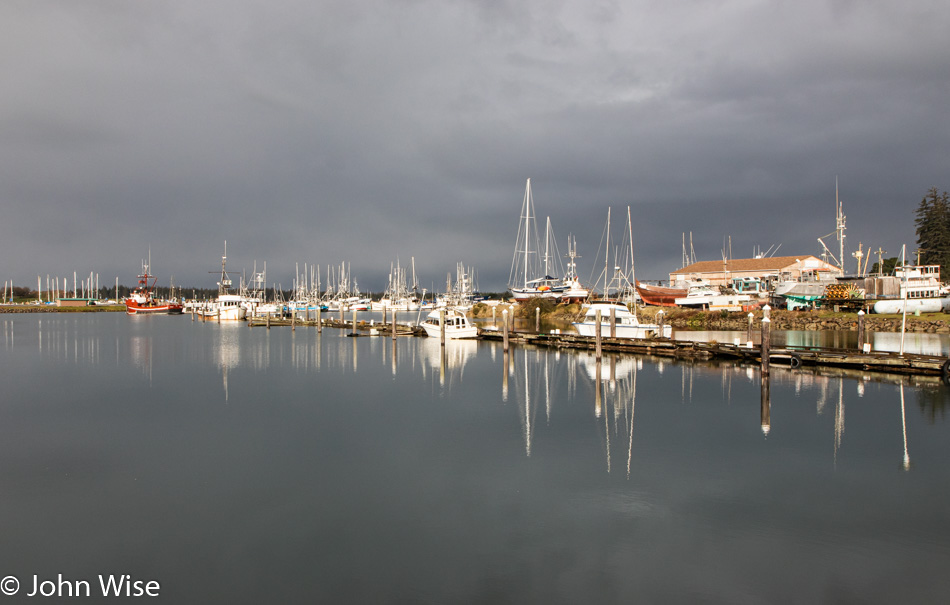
865 360
872 361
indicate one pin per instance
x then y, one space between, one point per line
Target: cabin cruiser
457 324
626 322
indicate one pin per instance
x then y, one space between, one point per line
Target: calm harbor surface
237 465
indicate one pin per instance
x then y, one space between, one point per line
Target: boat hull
641 331
660 297
450 332
134 308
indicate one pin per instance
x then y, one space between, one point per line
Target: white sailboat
527 279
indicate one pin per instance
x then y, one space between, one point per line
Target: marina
375 468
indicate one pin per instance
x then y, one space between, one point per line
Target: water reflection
914 342
450 359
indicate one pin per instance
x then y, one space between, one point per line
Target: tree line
933 230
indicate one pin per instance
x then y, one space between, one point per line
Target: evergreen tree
933 230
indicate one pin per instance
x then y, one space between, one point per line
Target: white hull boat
457 325
627 325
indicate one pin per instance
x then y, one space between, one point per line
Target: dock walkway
794 356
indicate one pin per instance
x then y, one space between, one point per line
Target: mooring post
613 322
354 320
218 314
504 319
861 330
660 317
766 336
537 319
319 321
597 336
267 321
293 320
385 309
442 327
748 338
493 321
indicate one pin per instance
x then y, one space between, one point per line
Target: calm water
236 465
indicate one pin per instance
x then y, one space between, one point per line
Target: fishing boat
227 306
626 323
141 301
457 324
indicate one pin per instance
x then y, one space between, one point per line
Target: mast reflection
615 401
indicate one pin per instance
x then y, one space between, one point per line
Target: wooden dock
872 361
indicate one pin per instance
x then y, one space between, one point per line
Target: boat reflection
615 396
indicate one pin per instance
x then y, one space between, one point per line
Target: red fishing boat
141 300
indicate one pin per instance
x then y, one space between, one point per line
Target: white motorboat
457 325
626 322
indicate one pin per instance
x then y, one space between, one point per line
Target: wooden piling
861 330
613 323
764 348
442 327
537 319
319 321
394 330
504 319
749 333
598 337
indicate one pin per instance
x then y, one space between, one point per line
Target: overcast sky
365 131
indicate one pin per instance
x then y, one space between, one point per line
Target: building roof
773 263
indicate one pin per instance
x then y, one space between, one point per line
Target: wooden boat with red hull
140 301
659 296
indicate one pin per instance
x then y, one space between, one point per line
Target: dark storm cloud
325 132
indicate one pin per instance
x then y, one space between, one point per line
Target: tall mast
607 255
547 238
839 226
633 274
527 221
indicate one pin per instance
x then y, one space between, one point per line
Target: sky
329 132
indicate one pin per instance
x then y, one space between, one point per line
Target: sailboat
618 293
531 274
